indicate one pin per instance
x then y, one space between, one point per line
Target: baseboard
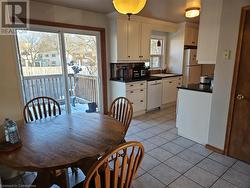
215 149
163 106
139 113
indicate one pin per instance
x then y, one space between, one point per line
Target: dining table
61 142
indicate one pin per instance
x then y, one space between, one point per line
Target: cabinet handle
142 84
128 56
132 103
141 100
141 89
170 82
140 56
131 85
131 92
193 42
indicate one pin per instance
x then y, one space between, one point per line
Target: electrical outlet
227 54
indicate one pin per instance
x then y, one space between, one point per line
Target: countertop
149 78
197 87
146 78
168 75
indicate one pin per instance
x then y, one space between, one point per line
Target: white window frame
163 38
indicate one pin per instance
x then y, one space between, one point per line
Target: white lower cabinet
169 89
134 91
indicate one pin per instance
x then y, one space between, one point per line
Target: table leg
46 179
43 180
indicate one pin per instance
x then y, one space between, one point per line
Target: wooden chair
122 110
41 107
116 168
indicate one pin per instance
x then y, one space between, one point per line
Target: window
156 52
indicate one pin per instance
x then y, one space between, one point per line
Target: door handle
240 97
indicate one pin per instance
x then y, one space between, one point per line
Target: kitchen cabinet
169 89
145 41
135 91
209 30
121 53
133 43
130 41
191 34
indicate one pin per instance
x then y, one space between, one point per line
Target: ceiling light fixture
192 12
192 8
129 7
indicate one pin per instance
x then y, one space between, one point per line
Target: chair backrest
122 110
117 167
41 107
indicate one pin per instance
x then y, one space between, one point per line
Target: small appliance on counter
136 72
127 71
206 79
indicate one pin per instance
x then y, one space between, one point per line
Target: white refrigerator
192 70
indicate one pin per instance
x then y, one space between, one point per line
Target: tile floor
172 161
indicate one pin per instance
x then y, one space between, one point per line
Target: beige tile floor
172 161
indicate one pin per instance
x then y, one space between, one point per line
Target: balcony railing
83 87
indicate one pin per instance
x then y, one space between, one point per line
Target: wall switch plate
227 54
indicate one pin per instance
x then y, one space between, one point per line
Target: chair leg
43 180
74 170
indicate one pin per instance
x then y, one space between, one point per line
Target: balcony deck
83 89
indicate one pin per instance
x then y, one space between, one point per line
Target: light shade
192 12
129 6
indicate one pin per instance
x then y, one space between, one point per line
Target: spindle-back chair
116 168
41 107
122 110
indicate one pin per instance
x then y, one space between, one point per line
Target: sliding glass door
62 65
82 66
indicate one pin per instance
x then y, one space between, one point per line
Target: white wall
175 50
10 95
230 21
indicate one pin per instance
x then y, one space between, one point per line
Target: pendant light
129 7
192 8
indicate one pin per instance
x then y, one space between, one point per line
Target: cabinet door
133 40
145 42
122 39
195 35
170 90
191 36
209 31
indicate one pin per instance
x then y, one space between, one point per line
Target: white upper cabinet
145 41
122 51
191 34
134 34
209 31
130 41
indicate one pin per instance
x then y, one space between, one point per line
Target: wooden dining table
62 141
